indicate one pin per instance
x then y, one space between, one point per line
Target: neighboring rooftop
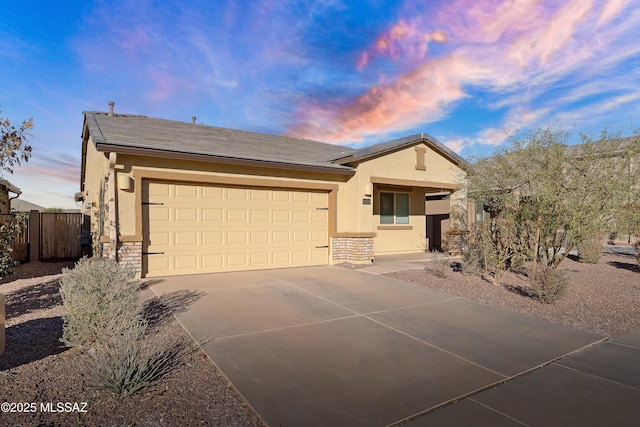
20 205
9 186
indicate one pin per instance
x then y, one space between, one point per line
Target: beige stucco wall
352 215
96 177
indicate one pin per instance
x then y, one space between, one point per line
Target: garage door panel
236 237
259 237
236 215
236 194
186 191
186 238
207 228
186 214
212 238
212 215
320 217
259 215
281 257
212 262
301 216
260 258
212 192
280 196
280 216
261 195
237 260
185 262
280 236
159 213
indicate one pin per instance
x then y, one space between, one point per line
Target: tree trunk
536 247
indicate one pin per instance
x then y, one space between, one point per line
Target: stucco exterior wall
96 187
354 216
353 219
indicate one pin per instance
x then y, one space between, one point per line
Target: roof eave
104 147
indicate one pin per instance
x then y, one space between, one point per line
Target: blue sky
468 72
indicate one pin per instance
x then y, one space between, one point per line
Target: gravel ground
36 368
603 298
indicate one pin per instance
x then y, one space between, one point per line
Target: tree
566 193
14 149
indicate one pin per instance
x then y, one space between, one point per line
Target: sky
471 73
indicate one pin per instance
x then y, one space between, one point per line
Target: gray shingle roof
141 132
383 147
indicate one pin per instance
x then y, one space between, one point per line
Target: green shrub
121 366
101 298
589 251
547 284
9 229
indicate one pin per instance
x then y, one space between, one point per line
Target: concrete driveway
329 346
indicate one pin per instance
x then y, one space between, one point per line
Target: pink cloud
610 10
419 96
455 145
548 39
402 41
495 45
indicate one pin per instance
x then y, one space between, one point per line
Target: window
394 208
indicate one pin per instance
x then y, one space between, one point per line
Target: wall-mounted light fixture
125 183
367 190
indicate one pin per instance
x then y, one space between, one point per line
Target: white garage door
205 228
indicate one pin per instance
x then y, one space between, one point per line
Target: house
20 205
182 198
5 199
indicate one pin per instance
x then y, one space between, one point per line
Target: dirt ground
603 298
36 369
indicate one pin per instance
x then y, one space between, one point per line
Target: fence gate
59 235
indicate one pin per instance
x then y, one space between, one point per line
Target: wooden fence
59 235
46 236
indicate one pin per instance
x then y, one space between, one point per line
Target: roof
136 134
9 186
142 135
393 145
20 205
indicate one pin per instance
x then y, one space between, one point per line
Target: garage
200 228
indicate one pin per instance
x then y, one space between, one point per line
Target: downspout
113 226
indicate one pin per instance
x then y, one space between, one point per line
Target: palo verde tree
14 149
553 194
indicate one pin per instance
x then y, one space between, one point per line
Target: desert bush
8 232
102 299
439 265
472 261
611 239
589 251
121 365
547 285
636 246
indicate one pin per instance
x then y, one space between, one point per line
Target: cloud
417 97
515 51
404 41
610 10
